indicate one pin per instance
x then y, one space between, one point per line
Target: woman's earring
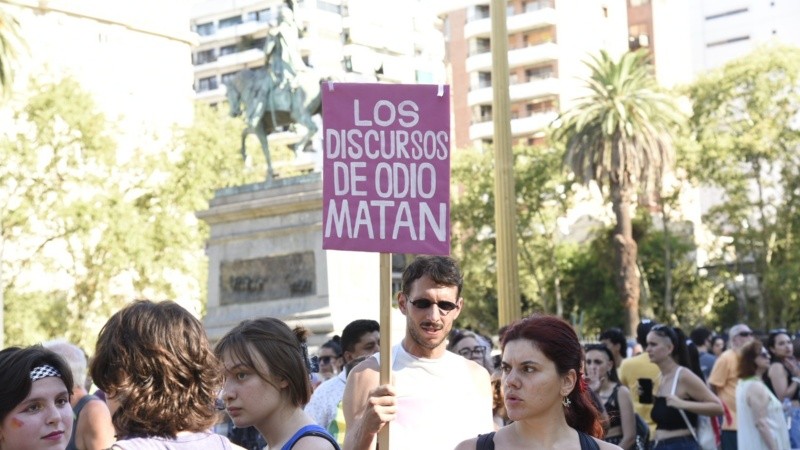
566 402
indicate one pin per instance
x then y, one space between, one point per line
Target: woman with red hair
545 393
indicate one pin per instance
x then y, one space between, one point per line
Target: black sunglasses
325 360
444 306
666 331
778 331
745 333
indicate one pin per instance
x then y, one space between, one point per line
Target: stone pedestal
265 258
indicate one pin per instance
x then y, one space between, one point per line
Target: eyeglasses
444 306
325 360
745 333
778 331
478 350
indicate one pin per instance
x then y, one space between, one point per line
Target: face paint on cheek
16 423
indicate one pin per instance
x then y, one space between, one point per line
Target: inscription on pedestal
267 278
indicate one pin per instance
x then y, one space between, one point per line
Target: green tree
10 41
746 140
620 136
542 196
96 227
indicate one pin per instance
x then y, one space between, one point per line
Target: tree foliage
620 136
542 196
745 128
86 228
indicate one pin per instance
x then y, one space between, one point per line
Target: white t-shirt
438 405
325 400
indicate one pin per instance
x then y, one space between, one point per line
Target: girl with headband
35 413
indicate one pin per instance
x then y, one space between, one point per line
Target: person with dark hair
545 393
701 337
472 346
330 358
436 398
615 398
724 377
267 383
161 379
360 337
761 421
615 340
641 376
783 378
35 386
92 428
679 390
717 345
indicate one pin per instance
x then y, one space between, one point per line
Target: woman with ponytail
545 392
267 384
682 394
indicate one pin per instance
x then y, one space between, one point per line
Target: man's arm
95 430
366 406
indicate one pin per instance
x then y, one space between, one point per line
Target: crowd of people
160 384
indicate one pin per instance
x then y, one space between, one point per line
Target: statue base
265 258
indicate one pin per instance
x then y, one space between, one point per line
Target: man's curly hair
155 360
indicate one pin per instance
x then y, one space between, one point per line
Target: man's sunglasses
745 333
444 306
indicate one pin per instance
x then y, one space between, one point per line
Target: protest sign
386 172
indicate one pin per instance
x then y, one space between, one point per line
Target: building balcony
515 23
238 59
517 92
518 57
522 126
235 31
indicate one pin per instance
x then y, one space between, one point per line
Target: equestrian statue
285 92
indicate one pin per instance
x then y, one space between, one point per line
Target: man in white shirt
437 398
360 337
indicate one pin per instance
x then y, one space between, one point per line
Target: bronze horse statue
271 106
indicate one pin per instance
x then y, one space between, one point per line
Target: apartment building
347 40
548 40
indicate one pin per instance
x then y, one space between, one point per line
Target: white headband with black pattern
44 371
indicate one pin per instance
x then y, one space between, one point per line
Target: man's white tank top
438 403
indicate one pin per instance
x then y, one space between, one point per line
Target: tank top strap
587 442
310 430
485 441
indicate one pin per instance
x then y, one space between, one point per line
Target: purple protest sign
386 173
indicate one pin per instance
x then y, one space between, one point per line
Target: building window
230 21
228 77
727 41
227 50
478 12
479 45
330 7
539 73
483 113
207 84
536 5
205 29
205 56
264 15
732 12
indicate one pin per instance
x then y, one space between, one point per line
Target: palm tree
619 136
9 38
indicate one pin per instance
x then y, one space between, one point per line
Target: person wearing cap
725 376
639 367
35 388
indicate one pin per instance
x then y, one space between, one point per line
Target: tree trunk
626 276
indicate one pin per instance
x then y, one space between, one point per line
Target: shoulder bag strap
683 414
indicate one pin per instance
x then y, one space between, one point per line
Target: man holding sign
436 398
